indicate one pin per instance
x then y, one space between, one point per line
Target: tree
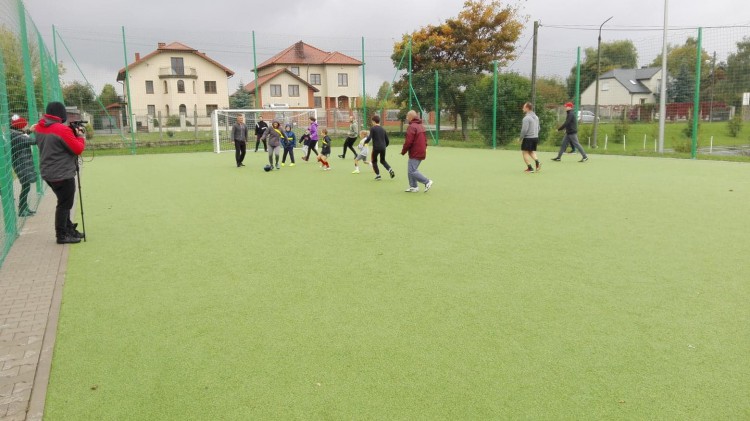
684 56
79 95
552 90
240 99
108 95
460 49
15 77
614 55
737 74
683 86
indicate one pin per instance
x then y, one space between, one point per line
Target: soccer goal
223 120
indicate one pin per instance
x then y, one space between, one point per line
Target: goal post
223 120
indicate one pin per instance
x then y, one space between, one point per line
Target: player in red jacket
416 145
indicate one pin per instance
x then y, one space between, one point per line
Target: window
183 110
318 102
605 86
152 110
193 86
210 86
275 90
167 108
210 108
178 66
293 90
315 79
295 70
166 91
180 86
149 86
343 79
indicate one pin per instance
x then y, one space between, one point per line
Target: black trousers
257 143
240 147
381 154
349 143
23 198
65 190
290 152
311 148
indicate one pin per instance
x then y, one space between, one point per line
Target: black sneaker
584 159
392 173
341 156
556 159
378 177
75 233
68 239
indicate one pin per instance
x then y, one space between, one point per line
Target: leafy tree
108 95
614 55
513 91
552 90
461 49
683 86
80 95
737 74
15 77
240 99
683 56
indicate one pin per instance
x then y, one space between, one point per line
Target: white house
625 87
175 80
303 76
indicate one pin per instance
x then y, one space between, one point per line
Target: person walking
59 148
530 138
313 129
571 134
260 128
274 135
380 142
239 135
416 145
289 144
22 161
351 137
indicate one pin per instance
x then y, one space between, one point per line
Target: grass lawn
615 289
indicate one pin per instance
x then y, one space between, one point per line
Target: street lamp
598 70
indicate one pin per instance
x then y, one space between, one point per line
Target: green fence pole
411 87
58 90
255 69
44 72
28 75
364 91
494 105
697 95
6 175
437 108
577 99
131 116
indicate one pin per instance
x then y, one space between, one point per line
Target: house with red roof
303 76
176 80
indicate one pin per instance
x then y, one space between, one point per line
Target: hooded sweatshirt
58 149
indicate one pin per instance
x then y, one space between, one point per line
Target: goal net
223 120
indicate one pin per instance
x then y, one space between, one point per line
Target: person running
416 145
351 137
239 135
260 128
289 144
362 155
325 150
380 142
274 135
530 138
571 134
22 160
313 138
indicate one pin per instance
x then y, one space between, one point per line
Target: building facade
625 87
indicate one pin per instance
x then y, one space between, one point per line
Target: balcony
170 73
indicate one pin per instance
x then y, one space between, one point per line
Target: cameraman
59 147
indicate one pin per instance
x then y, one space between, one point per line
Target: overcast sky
222 29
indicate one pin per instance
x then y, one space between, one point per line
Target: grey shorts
360 157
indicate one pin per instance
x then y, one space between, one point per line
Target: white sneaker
412 190
355 171
427 186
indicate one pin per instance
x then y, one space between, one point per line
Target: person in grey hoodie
274 134
530 137
351 137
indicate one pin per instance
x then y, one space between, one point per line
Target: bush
89 131
735 125
585 131
684 145
155 122
170 133
173 121
621 128
688 130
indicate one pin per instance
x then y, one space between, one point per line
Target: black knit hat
57 109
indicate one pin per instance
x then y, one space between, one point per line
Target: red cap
18 122
569 104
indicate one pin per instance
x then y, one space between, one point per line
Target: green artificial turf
614 289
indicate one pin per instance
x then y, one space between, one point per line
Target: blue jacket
291 140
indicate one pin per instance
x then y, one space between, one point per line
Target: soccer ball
267 168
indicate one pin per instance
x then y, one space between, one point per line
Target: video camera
78 125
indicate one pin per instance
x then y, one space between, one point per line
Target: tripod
80 201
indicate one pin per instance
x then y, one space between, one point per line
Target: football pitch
612 289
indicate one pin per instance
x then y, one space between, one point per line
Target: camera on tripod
78 126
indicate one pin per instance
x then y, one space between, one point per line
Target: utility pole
533 64
596 87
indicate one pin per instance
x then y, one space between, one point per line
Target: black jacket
379 138
260 127
571 124
21 156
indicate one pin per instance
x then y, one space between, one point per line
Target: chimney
162 44
137 56
299 49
